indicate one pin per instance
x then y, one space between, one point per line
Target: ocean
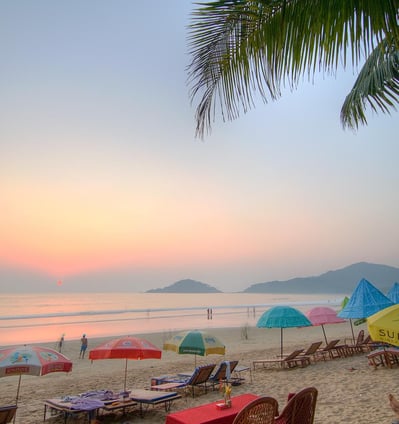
43 318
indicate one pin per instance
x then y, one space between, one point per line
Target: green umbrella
195 342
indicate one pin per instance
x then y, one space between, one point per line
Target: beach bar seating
300 409
199 378
290 361
7 413
210 413
259 411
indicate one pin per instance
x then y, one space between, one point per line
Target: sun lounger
69 407
87 404
146 398
385 357
200 378
311 350
331 350
220 374
290 361
7 413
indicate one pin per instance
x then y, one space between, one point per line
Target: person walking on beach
60 343
83 346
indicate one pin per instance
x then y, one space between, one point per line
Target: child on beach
83 346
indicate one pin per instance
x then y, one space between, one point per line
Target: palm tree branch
241 47
377 85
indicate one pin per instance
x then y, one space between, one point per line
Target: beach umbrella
393 293
283 317
366 300
195 342
127 347
31 360
322 315
383 326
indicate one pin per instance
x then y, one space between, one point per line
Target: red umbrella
126 348
321 315
31 360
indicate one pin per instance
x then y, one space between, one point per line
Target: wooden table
210 414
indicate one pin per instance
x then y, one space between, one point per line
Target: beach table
209 413
146 398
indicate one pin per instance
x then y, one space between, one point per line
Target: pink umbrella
321 315
126 348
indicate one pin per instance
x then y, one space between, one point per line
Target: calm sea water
38 318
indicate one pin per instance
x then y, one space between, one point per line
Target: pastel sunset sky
100 170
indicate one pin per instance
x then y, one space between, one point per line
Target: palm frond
377 85
241 47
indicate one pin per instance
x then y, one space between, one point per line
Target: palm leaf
377 85
240 48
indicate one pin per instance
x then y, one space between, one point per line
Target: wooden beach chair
200 377
7 413
328 351
290 361
311 350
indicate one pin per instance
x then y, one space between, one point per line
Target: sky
101 173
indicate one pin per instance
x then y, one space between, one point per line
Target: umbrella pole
16 399
281 342
325 337
353 333
19 385
124 386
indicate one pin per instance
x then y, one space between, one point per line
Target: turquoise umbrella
283 317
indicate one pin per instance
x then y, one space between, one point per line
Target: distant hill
186 286
340 281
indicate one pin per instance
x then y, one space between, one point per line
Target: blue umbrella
283 317
393 293
366 300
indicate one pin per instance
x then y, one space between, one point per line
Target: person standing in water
83 346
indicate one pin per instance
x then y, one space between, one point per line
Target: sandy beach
350 391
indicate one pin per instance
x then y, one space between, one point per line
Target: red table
209 413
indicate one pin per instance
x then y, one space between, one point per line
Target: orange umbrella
127 347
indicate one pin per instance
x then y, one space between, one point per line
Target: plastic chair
259 411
